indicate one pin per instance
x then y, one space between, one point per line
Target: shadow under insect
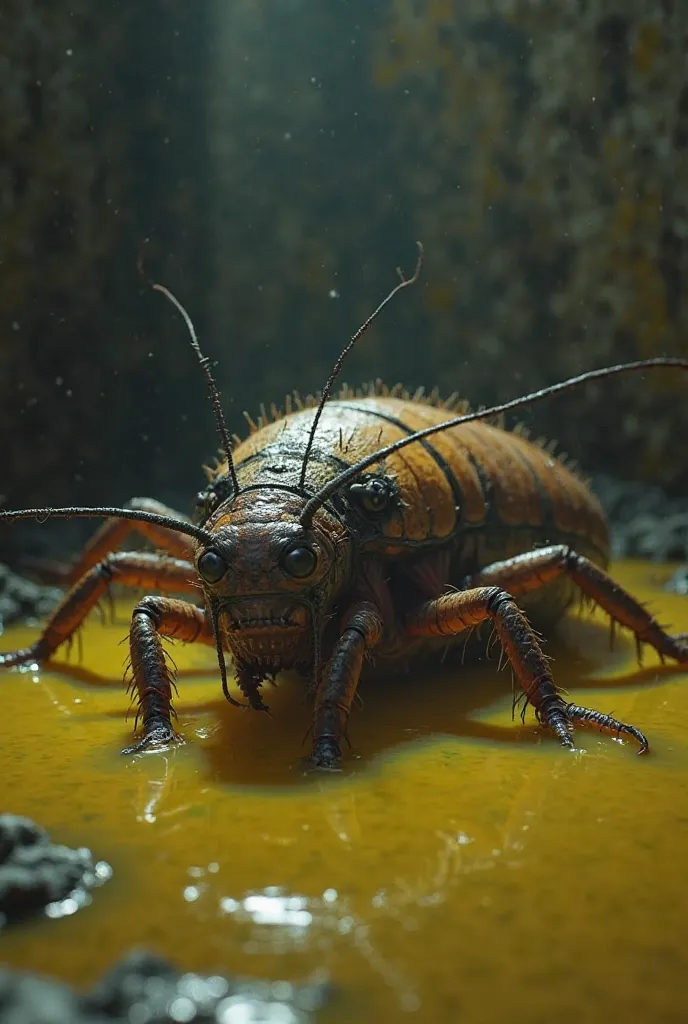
395 710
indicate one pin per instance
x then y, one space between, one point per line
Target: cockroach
372 524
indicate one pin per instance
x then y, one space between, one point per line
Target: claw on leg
157 737
561 717
681 643
605 723
555 716
25 656
326 756
464 609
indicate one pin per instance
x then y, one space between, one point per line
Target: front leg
153 677
361 632
464 609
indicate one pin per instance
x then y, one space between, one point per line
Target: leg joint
150 606
497 600
367 623
572 559
106 568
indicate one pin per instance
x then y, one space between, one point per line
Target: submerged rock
145 989
37 875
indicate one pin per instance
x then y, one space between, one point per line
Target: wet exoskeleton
373 525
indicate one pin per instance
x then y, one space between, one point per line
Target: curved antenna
178 525
205 366
319 499
327 390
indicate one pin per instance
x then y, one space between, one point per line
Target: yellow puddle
463 868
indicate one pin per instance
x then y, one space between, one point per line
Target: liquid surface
463 867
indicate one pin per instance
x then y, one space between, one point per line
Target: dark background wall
283 158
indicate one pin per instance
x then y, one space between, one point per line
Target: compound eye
373 495
206 503
299 562
212 566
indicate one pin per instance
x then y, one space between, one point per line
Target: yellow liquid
462 868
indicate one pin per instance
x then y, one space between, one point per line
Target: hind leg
534 569
149 571
108 537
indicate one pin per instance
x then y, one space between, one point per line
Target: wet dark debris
678 583
37 875
145 989
22 600
645 521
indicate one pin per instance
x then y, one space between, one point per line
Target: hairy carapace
372 525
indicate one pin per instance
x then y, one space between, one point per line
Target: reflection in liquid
81 896
278 920
158 787
341 815
269 907
439 860
282 921
154 790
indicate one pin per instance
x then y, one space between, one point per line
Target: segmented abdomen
474 479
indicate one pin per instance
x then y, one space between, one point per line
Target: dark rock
645 522
21 599
19 833
38 875
25 999
678 583
145 988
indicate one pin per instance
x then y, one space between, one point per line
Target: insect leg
362 631
536 568
113 532
149 571
153 676
464 609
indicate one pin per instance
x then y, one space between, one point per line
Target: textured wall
284 158
550 182
99 136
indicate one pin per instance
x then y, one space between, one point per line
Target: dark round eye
299 562
372 495
212 566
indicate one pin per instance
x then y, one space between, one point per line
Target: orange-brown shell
474 478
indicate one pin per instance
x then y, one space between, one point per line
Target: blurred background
283 158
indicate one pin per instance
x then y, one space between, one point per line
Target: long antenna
205 366
319 499
327 390
138 516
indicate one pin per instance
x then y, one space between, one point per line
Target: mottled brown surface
284 159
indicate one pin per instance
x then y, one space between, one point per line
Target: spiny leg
108 537
536 568
144 570
464 609
152 676
335 694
